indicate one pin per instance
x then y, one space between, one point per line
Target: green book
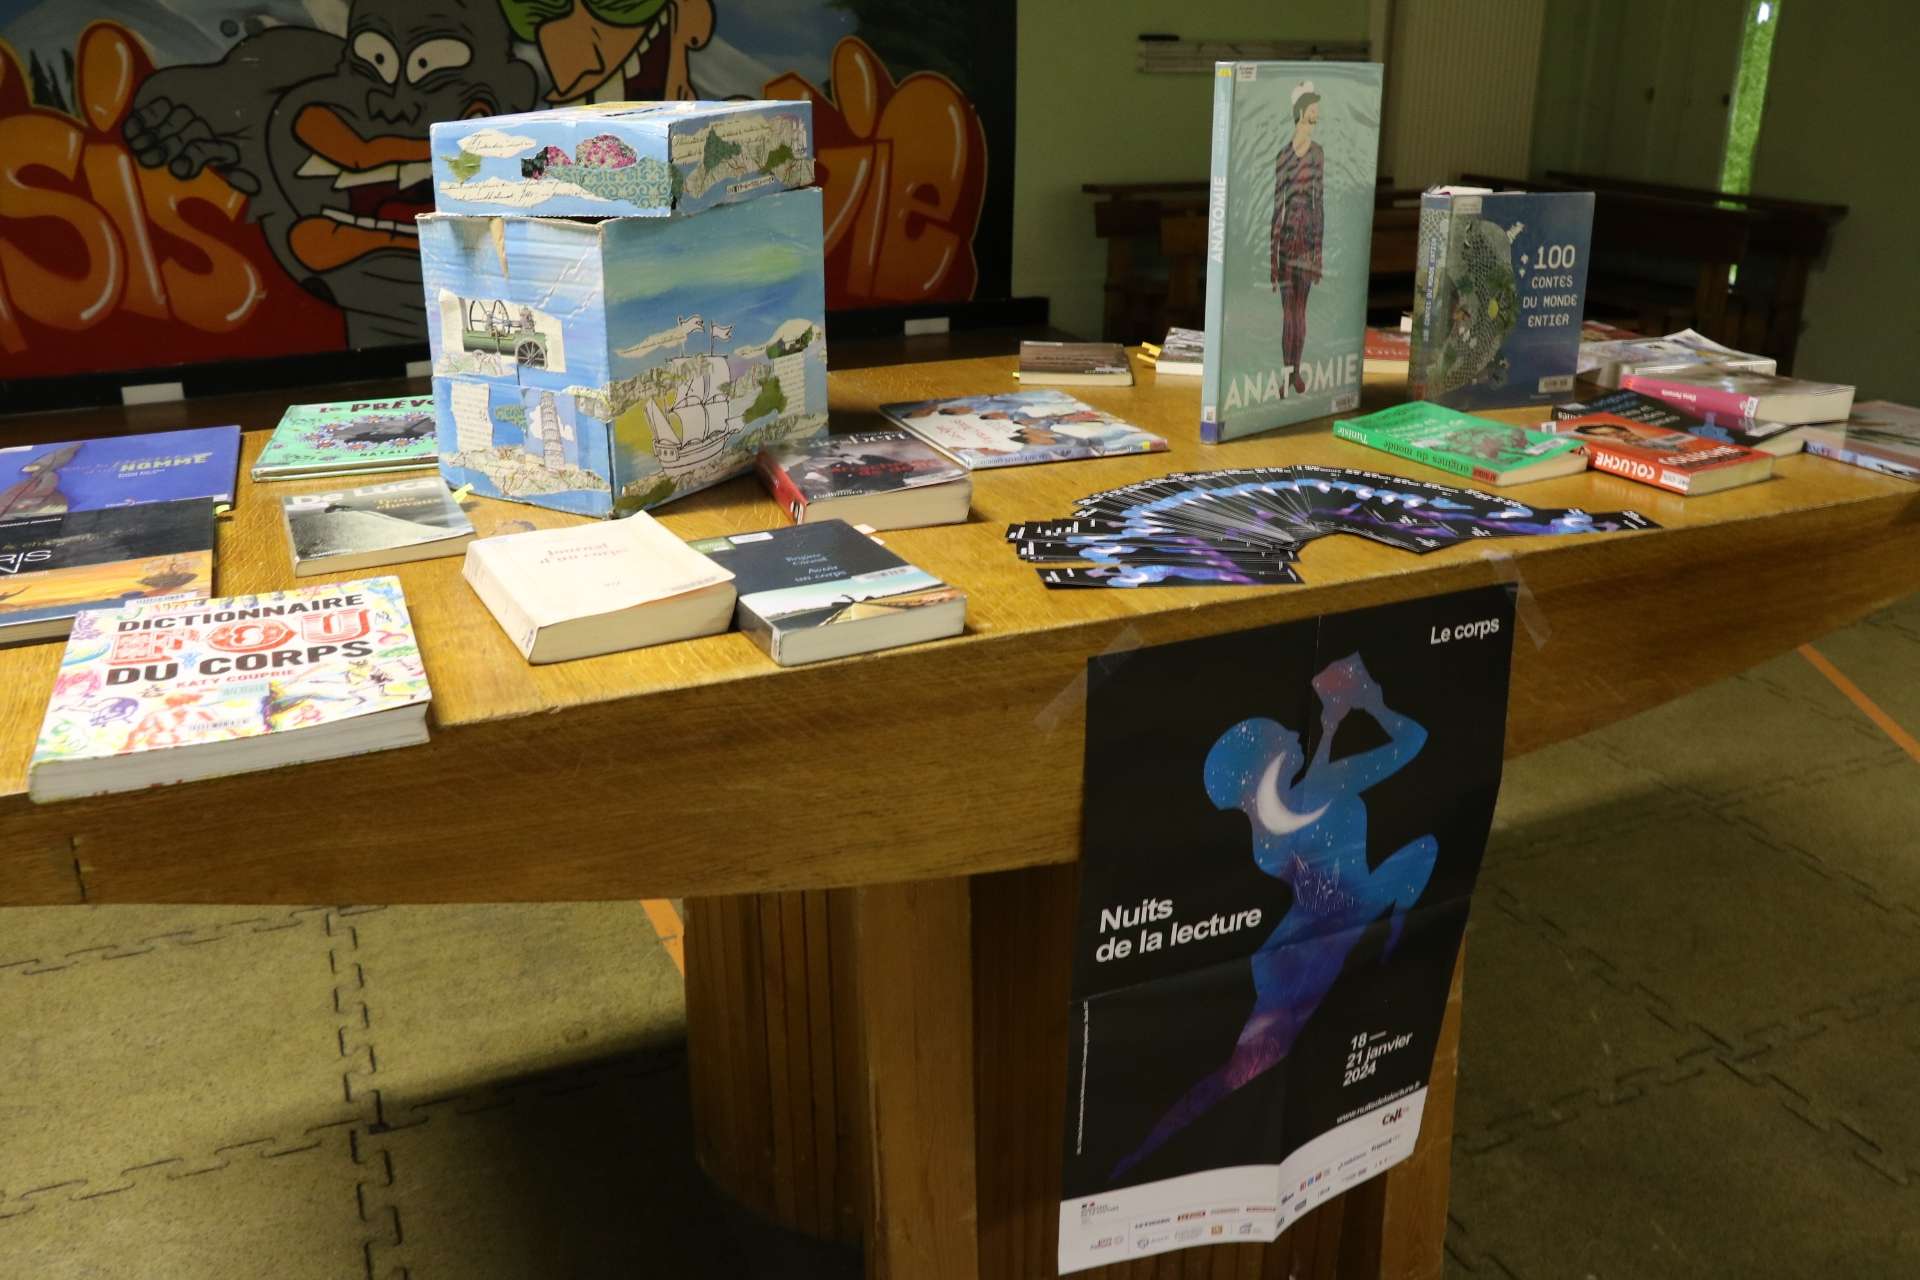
1493 453
351 437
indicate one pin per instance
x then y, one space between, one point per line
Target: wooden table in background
880 877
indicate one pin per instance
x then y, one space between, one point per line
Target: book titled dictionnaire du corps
165 691
1289 234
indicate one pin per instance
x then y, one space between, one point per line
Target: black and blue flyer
1282 830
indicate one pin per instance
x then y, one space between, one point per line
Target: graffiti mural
186 181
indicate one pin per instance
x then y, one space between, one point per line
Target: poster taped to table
1282 828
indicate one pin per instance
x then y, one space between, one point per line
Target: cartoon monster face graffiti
327 135
615 50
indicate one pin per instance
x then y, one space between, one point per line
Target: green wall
1838 125
1086 115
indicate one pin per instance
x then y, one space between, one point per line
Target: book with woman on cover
1020 427
1289 227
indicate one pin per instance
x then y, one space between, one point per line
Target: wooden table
880 879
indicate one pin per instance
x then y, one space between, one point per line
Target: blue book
91 475
1499 293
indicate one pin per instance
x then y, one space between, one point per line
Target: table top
700 766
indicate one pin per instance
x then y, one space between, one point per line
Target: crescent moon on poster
1274 815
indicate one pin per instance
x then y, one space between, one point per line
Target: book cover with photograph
1289 239
348 529
1020 427
1662 457
349 437
885 479
815 591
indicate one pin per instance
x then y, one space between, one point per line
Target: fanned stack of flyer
1245 526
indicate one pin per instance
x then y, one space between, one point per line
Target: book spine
1211 392
1413 453
1697 400
1826 448
1619 464
1435 230
781 486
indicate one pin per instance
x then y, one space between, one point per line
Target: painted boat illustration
707 417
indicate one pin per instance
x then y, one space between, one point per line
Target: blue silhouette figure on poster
1311 834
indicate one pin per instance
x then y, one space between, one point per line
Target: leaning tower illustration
553 449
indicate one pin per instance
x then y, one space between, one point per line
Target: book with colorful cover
118 471
1878 435
1499 288
1020 427
1776 438
888 479
350 437
825 590
54 566
1491 452
346 530
1734 393
163 691
1289 239
1662 457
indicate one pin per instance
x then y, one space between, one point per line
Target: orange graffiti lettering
903 168
106 264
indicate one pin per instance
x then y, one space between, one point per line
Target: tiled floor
1692 1030
1692 1040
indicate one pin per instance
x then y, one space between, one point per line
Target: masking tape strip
1526 606
1074 692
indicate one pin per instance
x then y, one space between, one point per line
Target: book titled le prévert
167 691
561 594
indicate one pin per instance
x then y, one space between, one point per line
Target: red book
1388 347
1736 393
1663 458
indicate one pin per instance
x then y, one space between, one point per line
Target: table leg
888 1065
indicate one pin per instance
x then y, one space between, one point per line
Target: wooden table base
887 1065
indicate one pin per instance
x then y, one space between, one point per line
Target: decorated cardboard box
622 159
607 367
